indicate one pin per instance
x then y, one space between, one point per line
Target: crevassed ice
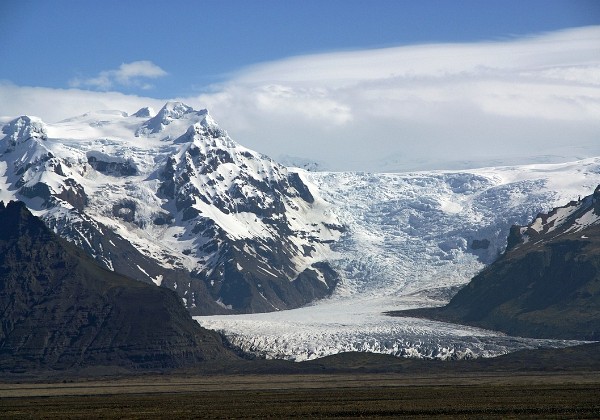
409 240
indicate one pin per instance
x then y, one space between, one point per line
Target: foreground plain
491 395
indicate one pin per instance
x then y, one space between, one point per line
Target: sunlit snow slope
410 239
171 199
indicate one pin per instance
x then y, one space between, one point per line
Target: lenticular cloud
425 106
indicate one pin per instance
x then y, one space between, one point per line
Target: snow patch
222 305
158 280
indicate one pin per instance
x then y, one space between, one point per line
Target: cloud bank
425 106
53 105
438 106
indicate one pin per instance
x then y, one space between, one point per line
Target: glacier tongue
357 324
411 240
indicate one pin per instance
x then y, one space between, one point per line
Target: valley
284 263
301 396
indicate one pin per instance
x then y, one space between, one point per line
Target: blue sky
397 85
50 43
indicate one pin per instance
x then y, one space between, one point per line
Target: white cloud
53 105
521 100
128 74
529 99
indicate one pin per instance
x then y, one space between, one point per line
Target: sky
369 85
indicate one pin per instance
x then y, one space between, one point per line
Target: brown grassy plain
464 395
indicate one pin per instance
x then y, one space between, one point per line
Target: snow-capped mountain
576 216
172 199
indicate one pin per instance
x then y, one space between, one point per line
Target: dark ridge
60 310
546 287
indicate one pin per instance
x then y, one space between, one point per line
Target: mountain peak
145 112
171 111
24 128
175 110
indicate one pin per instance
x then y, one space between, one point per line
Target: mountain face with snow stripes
171 199
62 312
546 285
576 216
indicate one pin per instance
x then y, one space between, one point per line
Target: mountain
61 310
546 284
171 199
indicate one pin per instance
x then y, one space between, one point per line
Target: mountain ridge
546 284
190 209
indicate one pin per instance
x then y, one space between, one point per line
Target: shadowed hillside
60 310
546 285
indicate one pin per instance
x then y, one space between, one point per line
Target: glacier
412 240
170 199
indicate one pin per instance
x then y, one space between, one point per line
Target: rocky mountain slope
547 284
61 310
171 199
